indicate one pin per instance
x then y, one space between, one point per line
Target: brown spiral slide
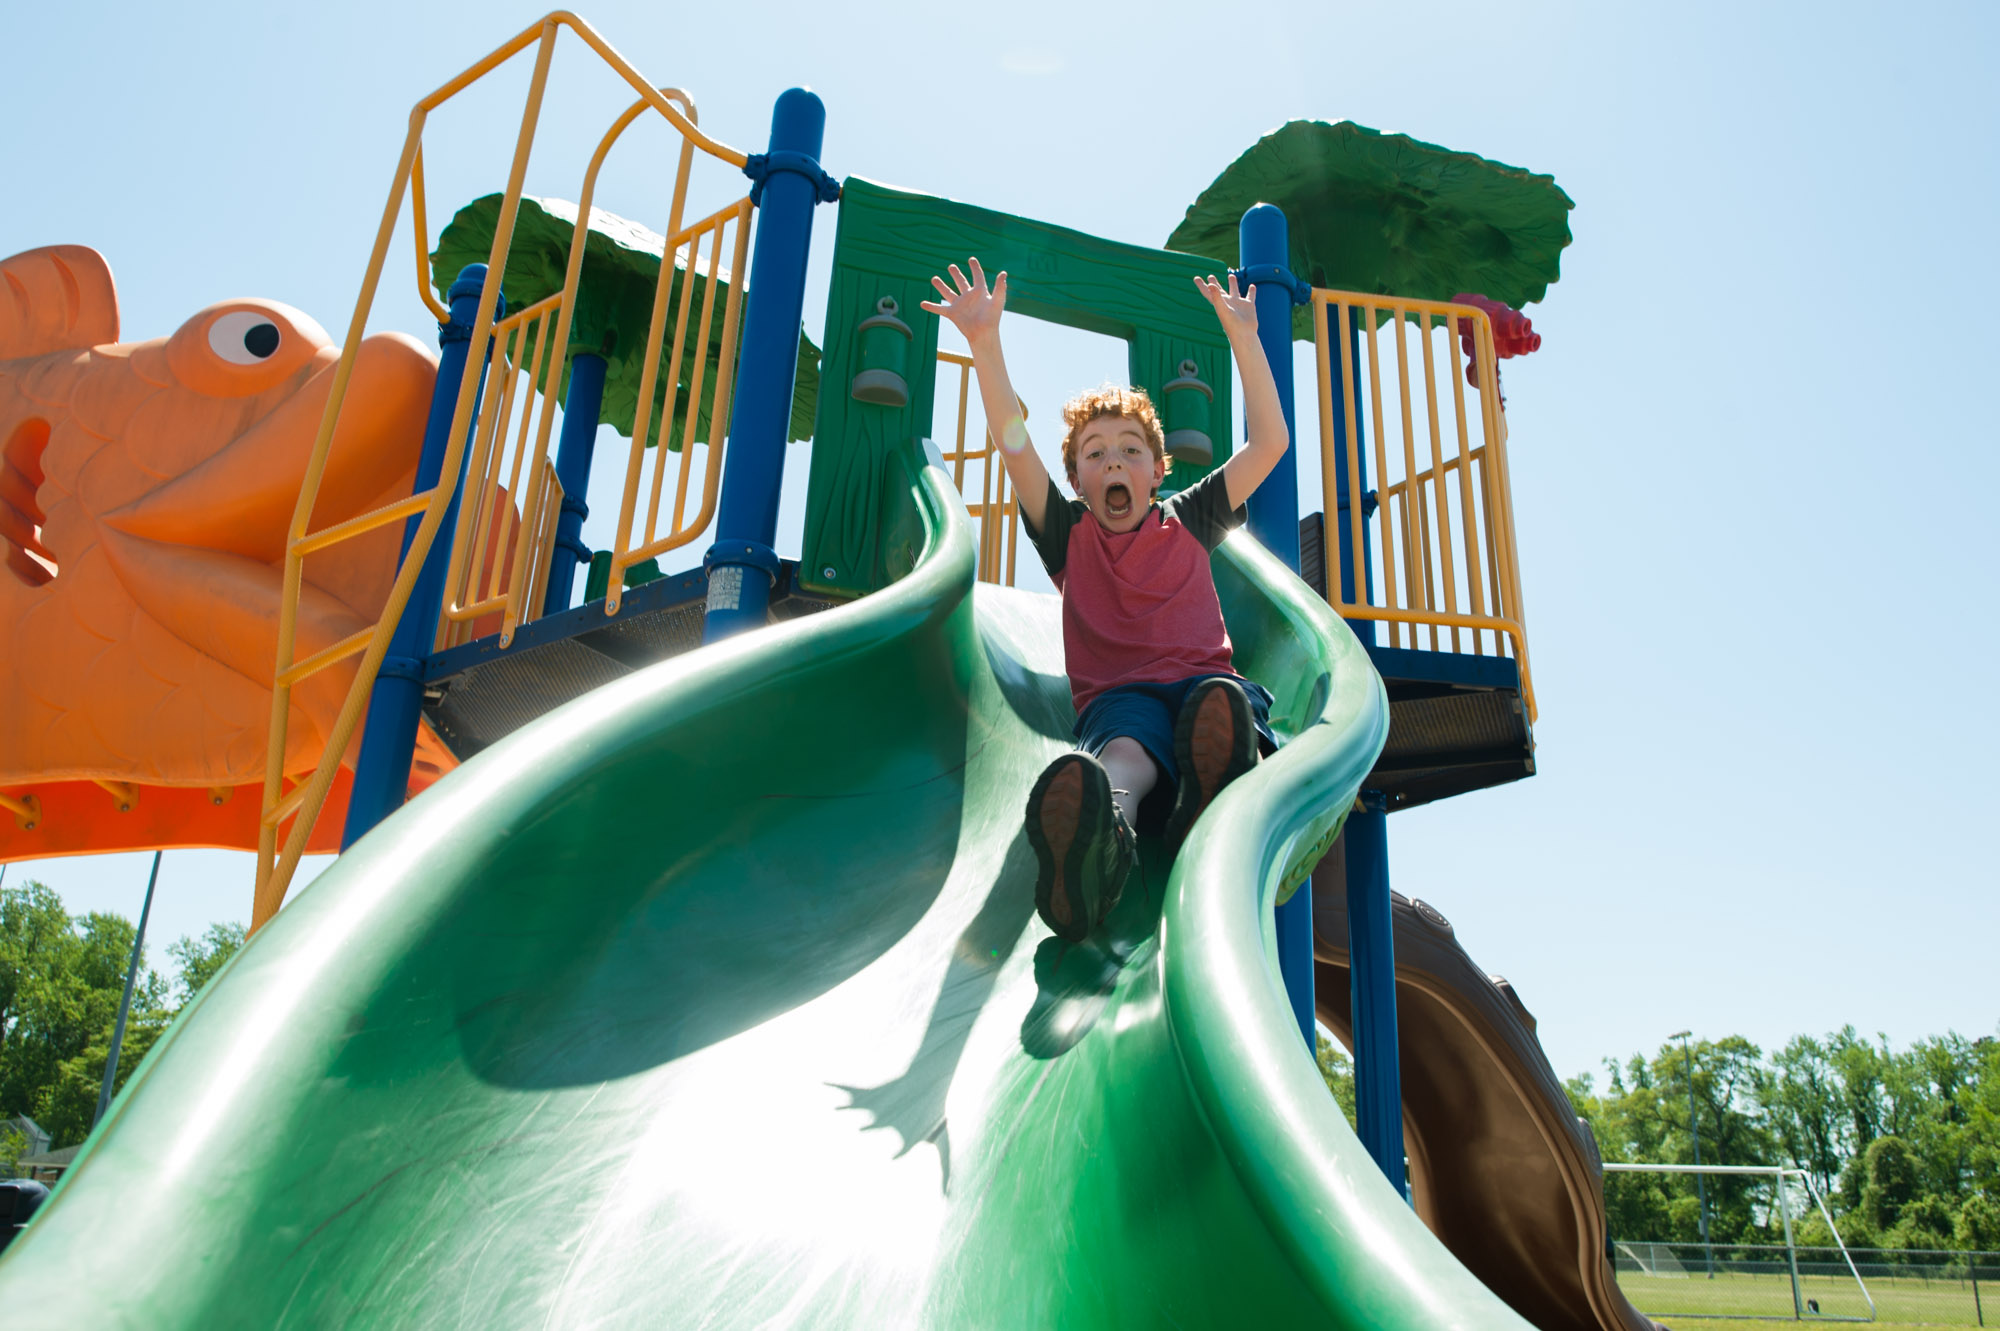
1501 1168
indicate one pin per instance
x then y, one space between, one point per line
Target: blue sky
1753 462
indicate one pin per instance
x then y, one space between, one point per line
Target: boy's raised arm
975 312
1263 417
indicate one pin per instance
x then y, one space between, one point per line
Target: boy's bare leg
1132 772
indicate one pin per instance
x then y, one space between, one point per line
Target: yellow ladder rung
380 517
287 806
346 647
459 614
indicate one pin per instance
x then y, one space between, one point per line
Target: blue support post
742 564
1371 939
1264 252
389 740
1371 943
1274 517
573 453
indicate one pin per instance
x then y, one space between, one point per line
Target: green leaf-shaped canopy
1388 215
621 266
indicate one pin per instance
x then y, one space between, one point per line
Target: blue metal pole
389 741
1264 252
1371 943
789 181
125 1003
573 453
1371 939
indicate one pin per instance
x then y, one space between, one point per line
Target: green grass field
1693 1300
1729 1324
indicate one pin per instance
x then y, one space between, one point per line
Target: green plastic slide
717 998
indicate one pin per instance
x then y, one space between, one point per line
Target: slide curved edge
1351 1238
109 1222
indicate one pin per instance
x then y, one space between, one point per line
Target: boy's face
1116 473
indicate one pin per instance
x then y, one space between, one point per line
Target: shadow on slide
716 998
1501 1168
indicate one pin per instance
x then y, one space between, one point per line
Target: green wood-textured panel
889 243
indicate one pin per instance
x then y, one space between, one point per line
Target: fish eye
243 337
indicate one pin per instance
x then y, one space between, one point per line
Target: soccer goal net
1738 1280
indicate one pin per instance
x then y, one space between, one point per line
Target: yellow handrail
486 510
716 228
1446 567
996 511
537 520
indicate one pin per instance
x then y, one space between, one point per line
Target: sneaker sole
1214 743
1062 808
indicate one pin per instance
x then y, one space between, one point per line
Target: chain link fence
1769 1280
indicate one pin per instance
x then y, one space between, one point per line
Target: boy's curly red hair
1130 404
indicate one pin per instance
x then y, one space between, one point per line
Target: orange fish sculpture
146 492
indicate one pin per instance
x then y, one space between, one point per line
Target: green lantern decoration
884 346
1188 404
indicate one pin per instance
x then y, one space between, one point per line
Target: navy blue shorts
1146 713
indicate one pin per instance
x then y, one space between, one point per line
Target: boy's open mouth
1117 500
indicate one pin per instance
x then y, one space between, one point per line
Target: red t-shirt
1139 607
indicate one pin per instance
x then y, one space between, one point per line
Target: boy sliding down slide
1160 713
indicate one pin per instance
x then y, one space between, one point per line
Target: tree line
61 980
1903 1145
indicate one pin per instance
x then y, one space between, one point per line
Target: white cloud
1032 64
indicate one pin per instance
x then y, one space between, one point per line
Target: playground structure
503 970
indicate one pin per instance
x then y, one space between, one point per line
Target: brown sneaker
1215 741
1083 848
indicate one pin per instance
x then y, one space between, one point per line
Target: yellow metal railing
1444 569
500 552
995 511
725 231
506 523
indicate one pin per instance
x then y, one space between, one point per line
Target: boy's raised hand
1237 313
972 308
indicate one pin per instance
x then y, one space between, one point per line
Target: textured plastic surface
146 493
1389 215
786 1046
